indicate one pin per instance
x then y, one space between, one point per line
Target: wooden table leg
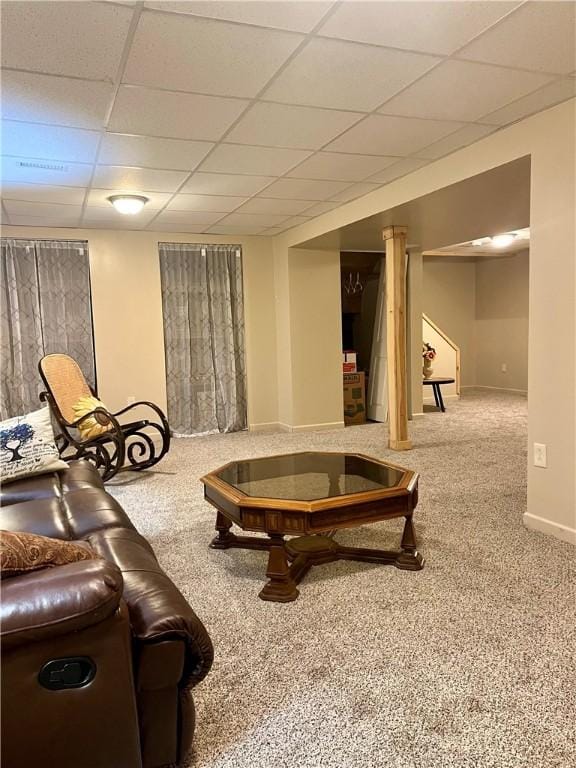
280 587
409 559
223 539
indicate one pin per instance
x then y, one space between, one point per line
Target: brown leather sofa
98 657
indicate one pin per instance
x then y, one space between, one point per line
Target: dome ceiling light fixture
128 204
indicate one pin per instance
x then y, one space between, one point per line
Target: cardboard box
354 398
349 361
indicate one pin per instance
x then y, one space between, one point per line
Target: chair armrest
153 406
57 601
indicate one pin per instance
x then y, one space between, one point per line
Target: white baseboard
266 426
563 532
311 427
495 389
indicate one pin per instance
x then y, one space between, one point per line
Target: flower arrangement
428 351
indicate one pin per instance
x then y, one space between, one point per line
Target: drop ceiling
253 117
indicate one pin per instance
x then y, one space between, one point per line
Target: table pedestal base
289 561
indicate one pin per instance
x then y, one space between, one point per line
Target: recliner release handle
71 672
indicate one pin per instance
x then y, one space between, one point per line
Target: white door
378 384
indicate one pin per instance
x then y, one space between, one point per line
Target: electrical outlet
504 368
540 459
130 399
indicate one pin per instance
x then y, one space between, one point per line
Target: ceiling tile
457 140
556 92
481 88
42 210
98 198
268 205
231 158
538 36
173 115
401 168
226 184
433 27
380 135
305 189
319 208
199 55
117 177
42 193
235 229
147 152
272 231
333 73
65 38
110 217
254 219
357 190
189 218
26 169
65 220
176 228
49 142
138 226
340 167
280 125
205 203
294 222
56 100
294 15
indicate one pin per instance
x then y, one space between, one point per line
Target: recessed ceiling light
503 241
128 204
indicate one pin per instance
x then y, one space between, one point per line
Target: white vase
427 369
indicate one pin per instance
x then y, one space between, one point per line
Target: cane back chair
113 445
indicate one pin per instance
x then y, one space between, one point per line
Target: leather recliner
98 657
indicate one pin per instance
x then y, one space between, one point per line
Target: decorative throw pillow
27 446
95 425
24 552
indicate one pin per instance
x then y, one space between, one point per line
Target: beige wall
309 336
448 298
549 139
482 304
127 310
502 321
414 299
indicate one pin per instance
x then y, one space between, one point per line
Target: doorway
359 285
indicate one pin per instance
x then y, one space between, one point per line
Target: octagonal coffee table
305 494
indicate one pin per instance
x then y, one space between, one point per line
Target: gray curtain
203 309
46 307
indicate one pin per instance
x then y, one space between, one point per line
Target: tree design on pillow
14 438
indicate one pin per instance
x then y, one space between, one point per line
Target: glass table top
309 476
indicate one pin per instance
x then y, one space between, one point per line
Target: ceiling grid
251 118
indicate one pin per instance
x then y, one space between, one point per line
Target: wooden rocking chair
111 446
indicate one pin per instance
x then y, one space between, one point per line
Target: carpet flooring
469 663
